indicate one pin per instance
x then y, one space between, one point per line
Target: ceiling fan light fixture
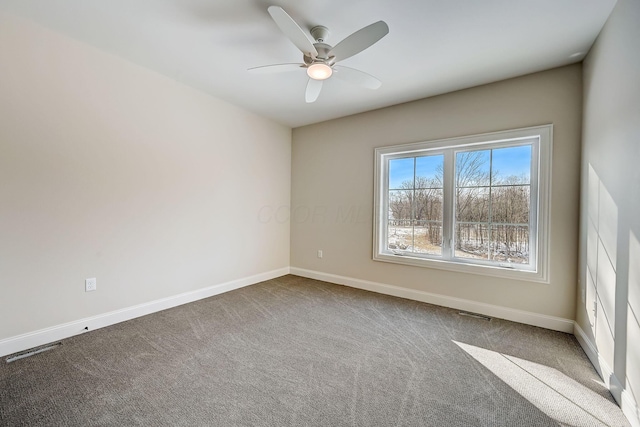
319 71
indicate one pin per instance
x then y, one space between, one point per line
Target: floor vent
475 315
32 351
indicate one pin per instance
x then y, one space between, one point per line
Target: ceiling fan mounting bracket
320 33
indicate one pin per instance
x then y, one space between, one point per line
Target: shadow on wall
612 290
632 362
602 226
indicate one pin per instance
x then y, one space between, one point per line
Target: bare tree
472 180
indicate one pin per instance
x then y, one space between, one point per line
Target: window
476 204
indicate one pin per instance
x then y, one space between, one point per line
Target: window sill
461 267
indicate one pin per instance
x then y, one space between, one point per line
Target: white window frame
541 140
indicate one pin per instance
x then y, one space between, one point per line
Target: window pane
472 168
510 205
401 173
428 204
428 238
400 205
400 236
472 204
400 228
429 171
472 241
510 243
511 165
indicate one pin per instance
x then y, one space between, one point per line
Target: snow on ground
401 238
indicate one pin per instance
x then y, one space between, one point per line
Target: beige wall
332 186
112 171
610 214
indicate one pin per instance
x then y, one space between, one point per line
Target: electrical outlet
90 284
320 253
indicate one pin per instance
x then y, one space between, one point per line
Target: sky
507 161
401 170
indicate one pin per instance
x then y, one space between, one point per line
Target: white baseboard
520 316
602 367
624 398
630 408
44 336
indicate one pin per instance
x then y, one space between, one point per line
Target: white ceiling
433 46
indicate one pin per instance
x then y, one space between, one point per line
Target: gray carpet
296 352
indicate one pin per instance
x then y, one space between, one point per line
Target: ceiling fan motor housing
323 55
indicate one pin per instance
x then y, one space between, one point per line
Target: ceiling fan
319 58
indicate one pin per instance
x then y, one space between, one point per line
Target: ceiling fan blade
313 90
293 31
357 77
277 68
360 40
